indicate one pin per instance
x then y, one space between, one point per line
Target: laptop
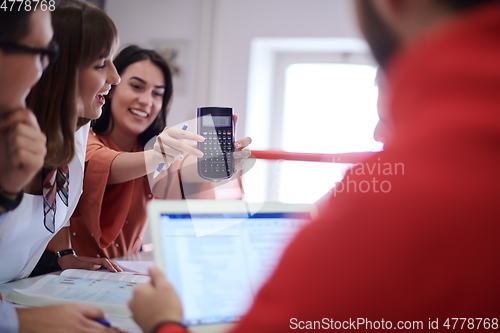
217 254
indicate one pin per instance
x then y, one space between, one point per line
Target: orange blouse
109 220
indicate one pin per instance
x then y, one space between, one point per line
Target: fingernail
97 266
237 144
201 138
198 154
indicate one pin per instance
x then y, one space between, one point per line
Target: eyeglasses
48 55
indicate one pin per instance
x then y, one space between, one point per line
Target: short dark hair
128 56
465 4
14 25
84 34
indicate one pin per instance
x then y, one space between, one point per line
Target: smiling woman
75 80
95 81
147 77
111 215
136 104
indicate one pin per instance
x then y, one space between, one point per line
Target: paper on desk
107 291
135 266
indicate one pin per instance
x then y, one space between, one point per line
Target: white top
23 236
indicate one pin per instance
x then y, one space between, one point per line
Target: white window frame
269 60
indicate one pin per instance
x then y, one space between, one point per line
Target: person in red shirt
409 239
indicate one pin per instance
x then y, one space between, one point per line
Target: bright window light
328 108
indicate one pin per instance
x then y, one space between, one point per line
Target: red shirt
422 244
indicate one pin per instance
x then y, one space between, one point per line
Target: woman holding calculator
119 176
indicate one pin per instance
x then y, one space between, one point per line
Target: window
328 108
321 102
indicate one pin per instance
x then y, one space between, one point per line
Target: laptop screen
218 274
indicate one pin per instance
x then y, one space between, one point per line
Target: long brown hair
85 34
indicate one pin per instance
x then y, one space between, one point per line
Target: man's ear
391 10
408 18
399 15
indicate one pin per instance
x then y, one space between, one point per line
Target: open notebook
217 254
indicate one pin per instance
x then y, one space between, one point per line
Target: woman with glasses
25 51
46 55
22 144
68 95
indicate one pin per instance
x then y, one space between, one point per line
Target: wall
219 35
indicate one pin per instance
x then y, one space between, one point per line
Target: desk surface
126 324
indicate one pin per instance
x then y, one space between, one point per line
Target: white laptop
218 253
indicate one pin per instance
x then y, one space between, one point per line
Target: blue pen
106 323
162 165
103 322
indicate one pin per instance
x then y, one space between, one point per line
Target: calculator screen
216 121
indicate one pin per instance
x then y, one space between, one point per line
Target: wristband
9 204
167 322
65 253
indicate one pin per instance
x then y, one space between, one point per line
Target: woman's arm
62 241
129 166
167 149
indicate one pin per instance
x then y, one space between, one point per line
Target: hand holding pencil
169 144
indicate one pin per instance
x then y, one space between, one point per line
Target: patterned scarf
55 180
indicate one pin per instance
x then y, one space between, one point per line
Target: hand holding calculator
217 126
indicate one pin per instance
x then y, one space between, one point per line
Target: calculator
215 124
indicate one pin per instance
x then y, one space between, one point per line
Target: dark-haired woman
111 215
